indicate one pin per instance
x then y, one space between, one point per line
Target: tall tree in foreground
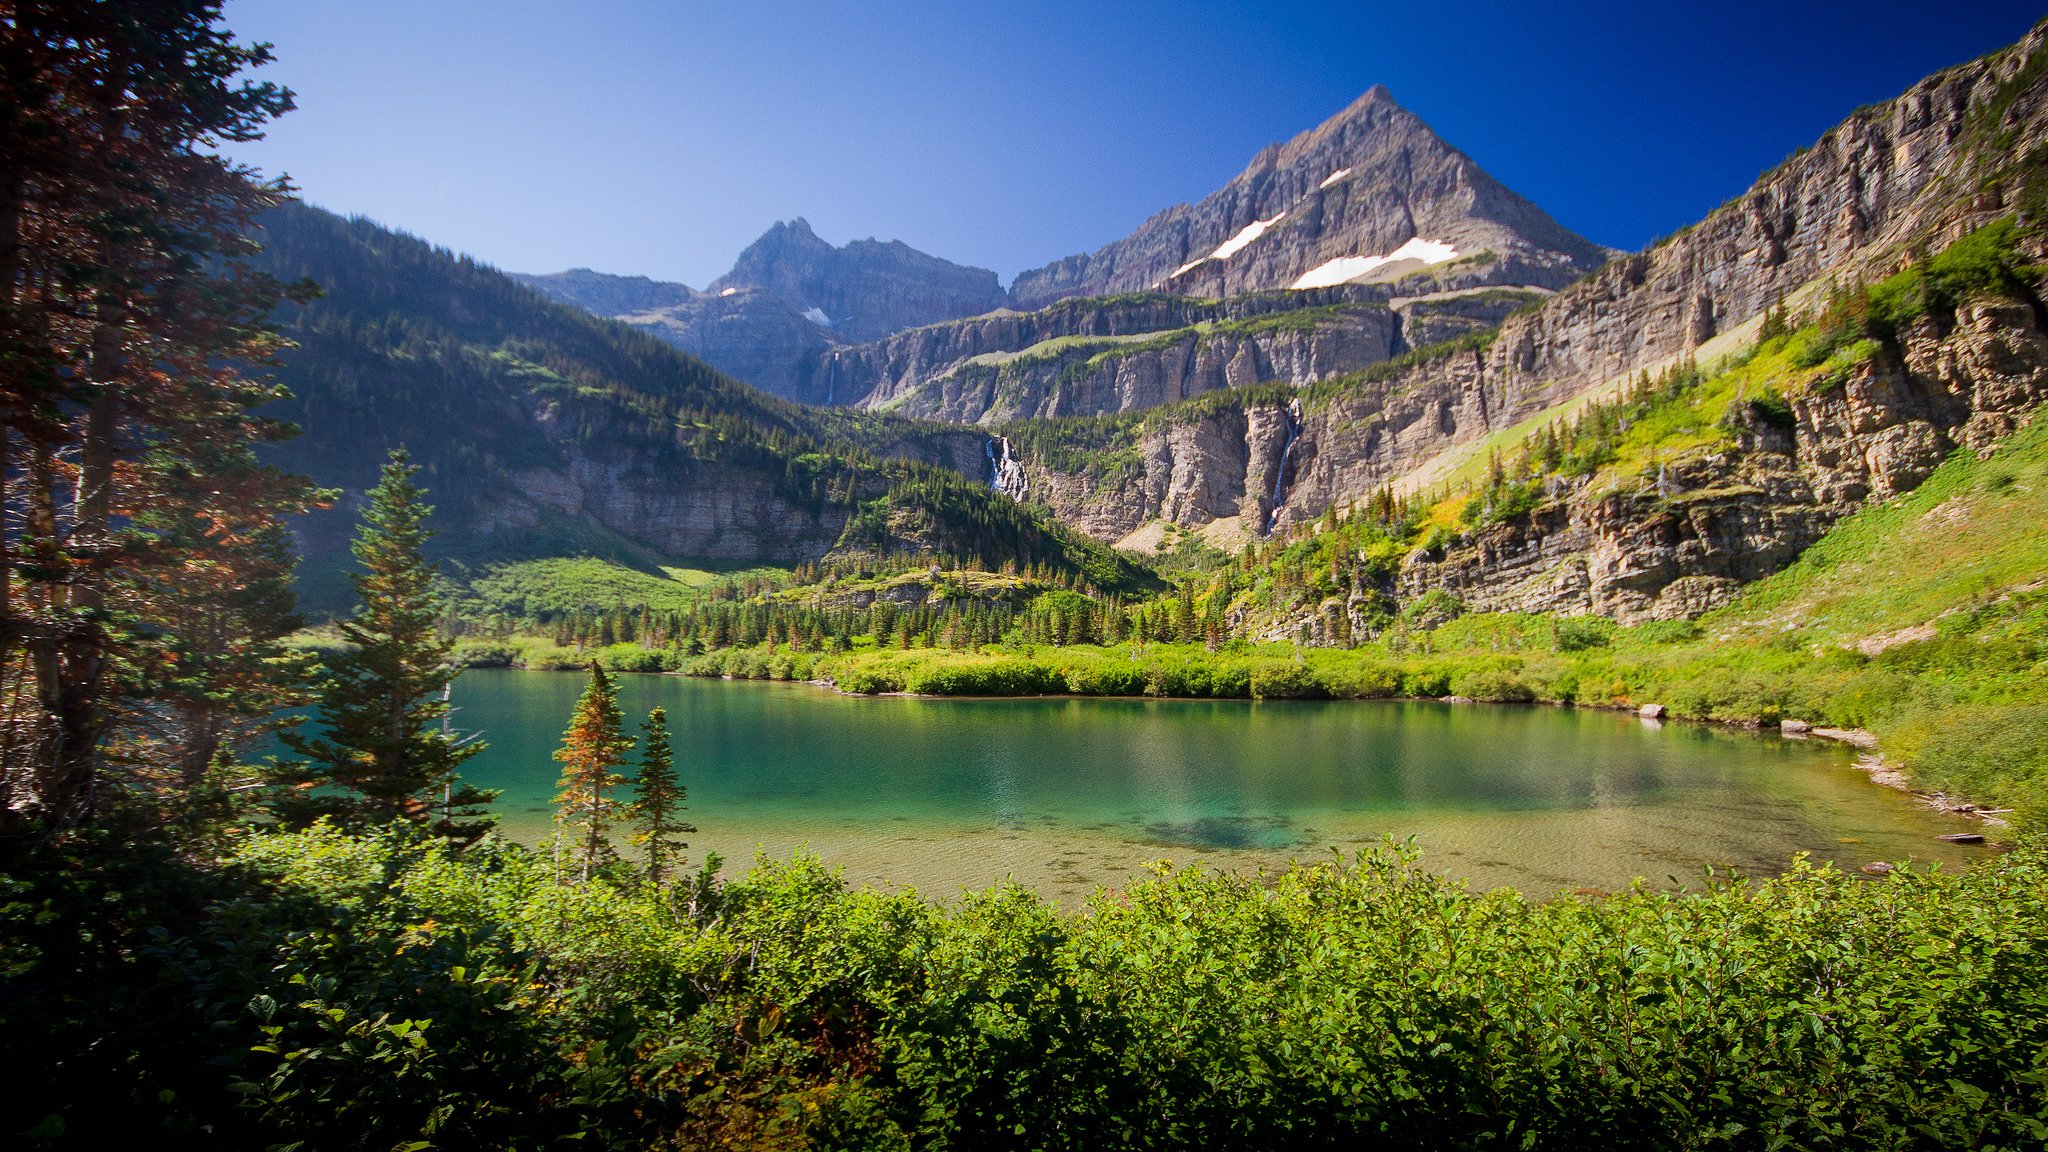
386 752
126 304
586 810
657 814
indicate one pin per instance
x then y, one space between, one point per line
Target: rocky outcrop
1362 187
1686 540
750 335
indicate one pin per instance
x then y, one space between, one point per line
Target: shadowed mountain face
789 299
607 295
1370 195
545 431
863 291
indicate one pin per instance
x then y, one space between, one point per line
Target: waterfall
1006 472
1286 458
831 376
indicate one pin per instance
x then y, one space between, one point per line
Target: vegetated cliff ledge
1685 537
1091 357
1956 150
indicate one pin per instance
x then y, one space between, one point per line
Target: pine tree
126 302
656 815
386 753
585 809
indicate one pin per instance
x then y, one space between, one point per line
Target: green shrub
1278 680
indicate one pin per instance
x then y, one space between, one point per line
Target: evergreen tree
657 813
585 809
386 753
127 303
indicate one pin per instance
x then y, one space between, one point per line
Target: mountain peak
1371 194
864 290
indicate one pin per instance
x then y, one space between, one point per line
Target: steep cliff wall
1089 357
1949 154
1685 540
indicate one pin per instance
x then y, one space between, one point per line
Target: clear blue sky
651 137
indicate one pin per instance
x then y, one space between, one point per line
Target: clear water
1069 794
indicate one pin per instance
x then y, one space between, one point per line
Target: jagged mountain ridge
1957 150
789 298
1372 182
864 289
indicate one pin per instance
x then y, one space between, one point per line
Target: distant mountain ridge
789 298
863 290
1369 195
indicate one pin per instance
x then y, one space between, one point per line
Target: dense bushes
342 993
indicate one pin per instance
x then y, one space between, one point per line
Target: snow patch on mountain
1245 235
1345 269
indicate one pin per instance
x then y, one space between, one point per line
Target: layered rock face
749 334
605 471
1370 195
1095 357
1685 541
1914 173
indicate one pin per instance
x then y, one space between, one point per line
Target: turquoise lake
1071 794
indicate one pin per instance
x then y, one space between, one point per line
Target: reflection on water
1070 794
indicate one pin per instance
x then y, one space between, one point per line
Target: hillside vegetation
508 400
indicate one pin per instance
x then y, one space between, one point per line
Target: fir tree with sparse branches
657 813
586 810
385 752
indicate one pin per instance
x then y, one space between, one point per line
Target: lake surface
1069 794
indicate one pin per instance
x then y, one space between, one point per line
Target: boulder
1651 711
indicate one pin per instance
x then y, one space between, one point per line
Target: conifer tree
657 814
585 808
129 314
385 753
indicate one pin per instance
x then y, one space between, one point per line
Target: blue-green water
1067 794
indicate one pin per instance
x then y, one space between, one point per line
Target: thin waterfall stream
1006 472
1280 471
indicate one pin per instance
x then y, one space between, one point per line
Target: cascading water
1006 472
831 377
1286 458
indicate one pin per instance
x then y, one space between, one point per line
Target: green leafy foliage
331 989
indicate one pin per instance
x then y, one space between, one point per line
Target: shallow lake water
1071 794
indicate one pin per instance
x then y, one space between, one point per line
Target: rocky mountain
1895 181
789 298
608 295
1370 195
546 431
863 290
1090 357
